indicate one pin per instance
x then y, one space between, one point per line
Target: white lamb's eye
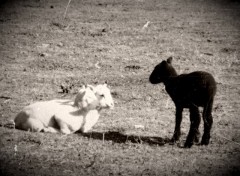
102 95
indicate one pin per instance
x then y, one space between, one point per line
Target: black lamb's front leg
177 131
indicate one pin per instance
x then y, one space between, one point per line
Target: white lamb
66 116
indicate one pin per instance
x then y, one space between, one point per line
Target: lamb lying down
66 116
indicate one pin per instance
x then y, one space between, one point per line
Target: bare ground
43 55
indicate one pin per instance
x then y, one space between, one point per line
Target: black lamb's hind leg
177 131
197 133
208 121
195 122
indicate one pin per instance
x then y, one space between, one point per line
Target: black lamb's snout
153 78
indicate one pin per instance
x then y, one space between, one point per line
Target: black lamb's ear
169 60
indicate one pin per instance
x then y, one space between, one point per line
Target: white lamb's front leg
64 129
50 130
62 125
90 120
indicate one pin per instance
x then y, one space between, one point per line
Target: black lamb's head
162 72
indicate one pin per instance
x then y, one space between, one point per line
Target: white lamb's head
86 98
104 96
90 97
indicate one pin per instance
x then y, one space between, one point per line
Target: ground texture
47 52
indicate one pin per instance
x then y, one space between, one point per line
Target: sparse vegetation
44 55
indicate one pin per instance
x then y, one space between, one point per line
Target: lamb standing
193 90
66 116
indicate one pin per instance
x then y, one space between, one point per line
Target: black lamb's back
195 88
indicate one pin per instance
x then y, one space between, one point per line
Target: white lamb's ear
105 84
79 98
82 87
91 87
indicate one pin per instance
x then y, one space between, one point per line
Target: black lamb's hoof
196 141
172 141
196 138
188 145
204 142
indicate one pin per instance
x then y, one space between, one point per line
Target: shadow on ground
119 137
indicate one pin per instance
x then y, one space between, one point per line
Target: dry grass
104 40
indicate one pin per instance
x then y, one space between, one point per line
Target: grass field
42 52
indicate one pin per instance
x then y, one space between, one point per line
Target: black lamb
193 90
